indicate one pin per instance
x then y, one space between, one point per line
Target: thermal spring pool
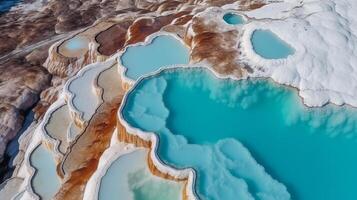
247 139
233 19
45 182
128 177
268 45
164 50
74 47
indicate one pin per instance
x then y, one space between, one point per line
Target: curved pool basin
45 181
74 47
128 178
247 139
164 50
269 46
233 19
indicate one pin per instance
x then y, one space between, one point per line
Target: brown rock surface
20 86
91 143
113 38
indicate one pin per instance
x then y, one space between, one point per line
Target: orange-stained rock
220 48
143 27
81 162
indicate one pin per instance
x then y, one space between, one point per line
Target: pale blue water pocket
76 43
226 129
270 46
233 19
45 181
164 50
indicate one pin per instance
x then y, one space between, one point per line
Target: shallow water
45 182
238 124
76 43
129 178
164 50
270 46
233 19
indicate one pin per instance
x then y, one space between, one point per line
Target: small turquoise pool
270 46
248 139
164 50
233 19
45 182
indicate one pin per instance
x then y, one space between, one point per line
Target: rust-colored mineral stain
144 27
218 48
82 160
183 20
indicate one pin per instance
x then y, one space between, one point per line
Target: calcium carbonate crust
323 34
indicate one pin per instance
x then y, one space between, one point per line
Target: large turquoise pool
164 50
270 46
248 139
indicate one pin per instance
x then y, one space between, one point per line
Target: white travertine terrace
83 101
56 127
318 31
7 190
116 150
53 135
27 171
323 33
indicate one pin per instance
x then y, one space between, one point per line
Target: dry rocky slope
34 68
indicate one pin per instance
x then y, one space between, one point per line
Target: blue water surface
227 130
5 5
270 46
233 19
164 50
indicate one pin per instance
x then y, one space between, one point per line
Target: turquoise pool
248 139
130 178
233 19
45 182
270 46
164 50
